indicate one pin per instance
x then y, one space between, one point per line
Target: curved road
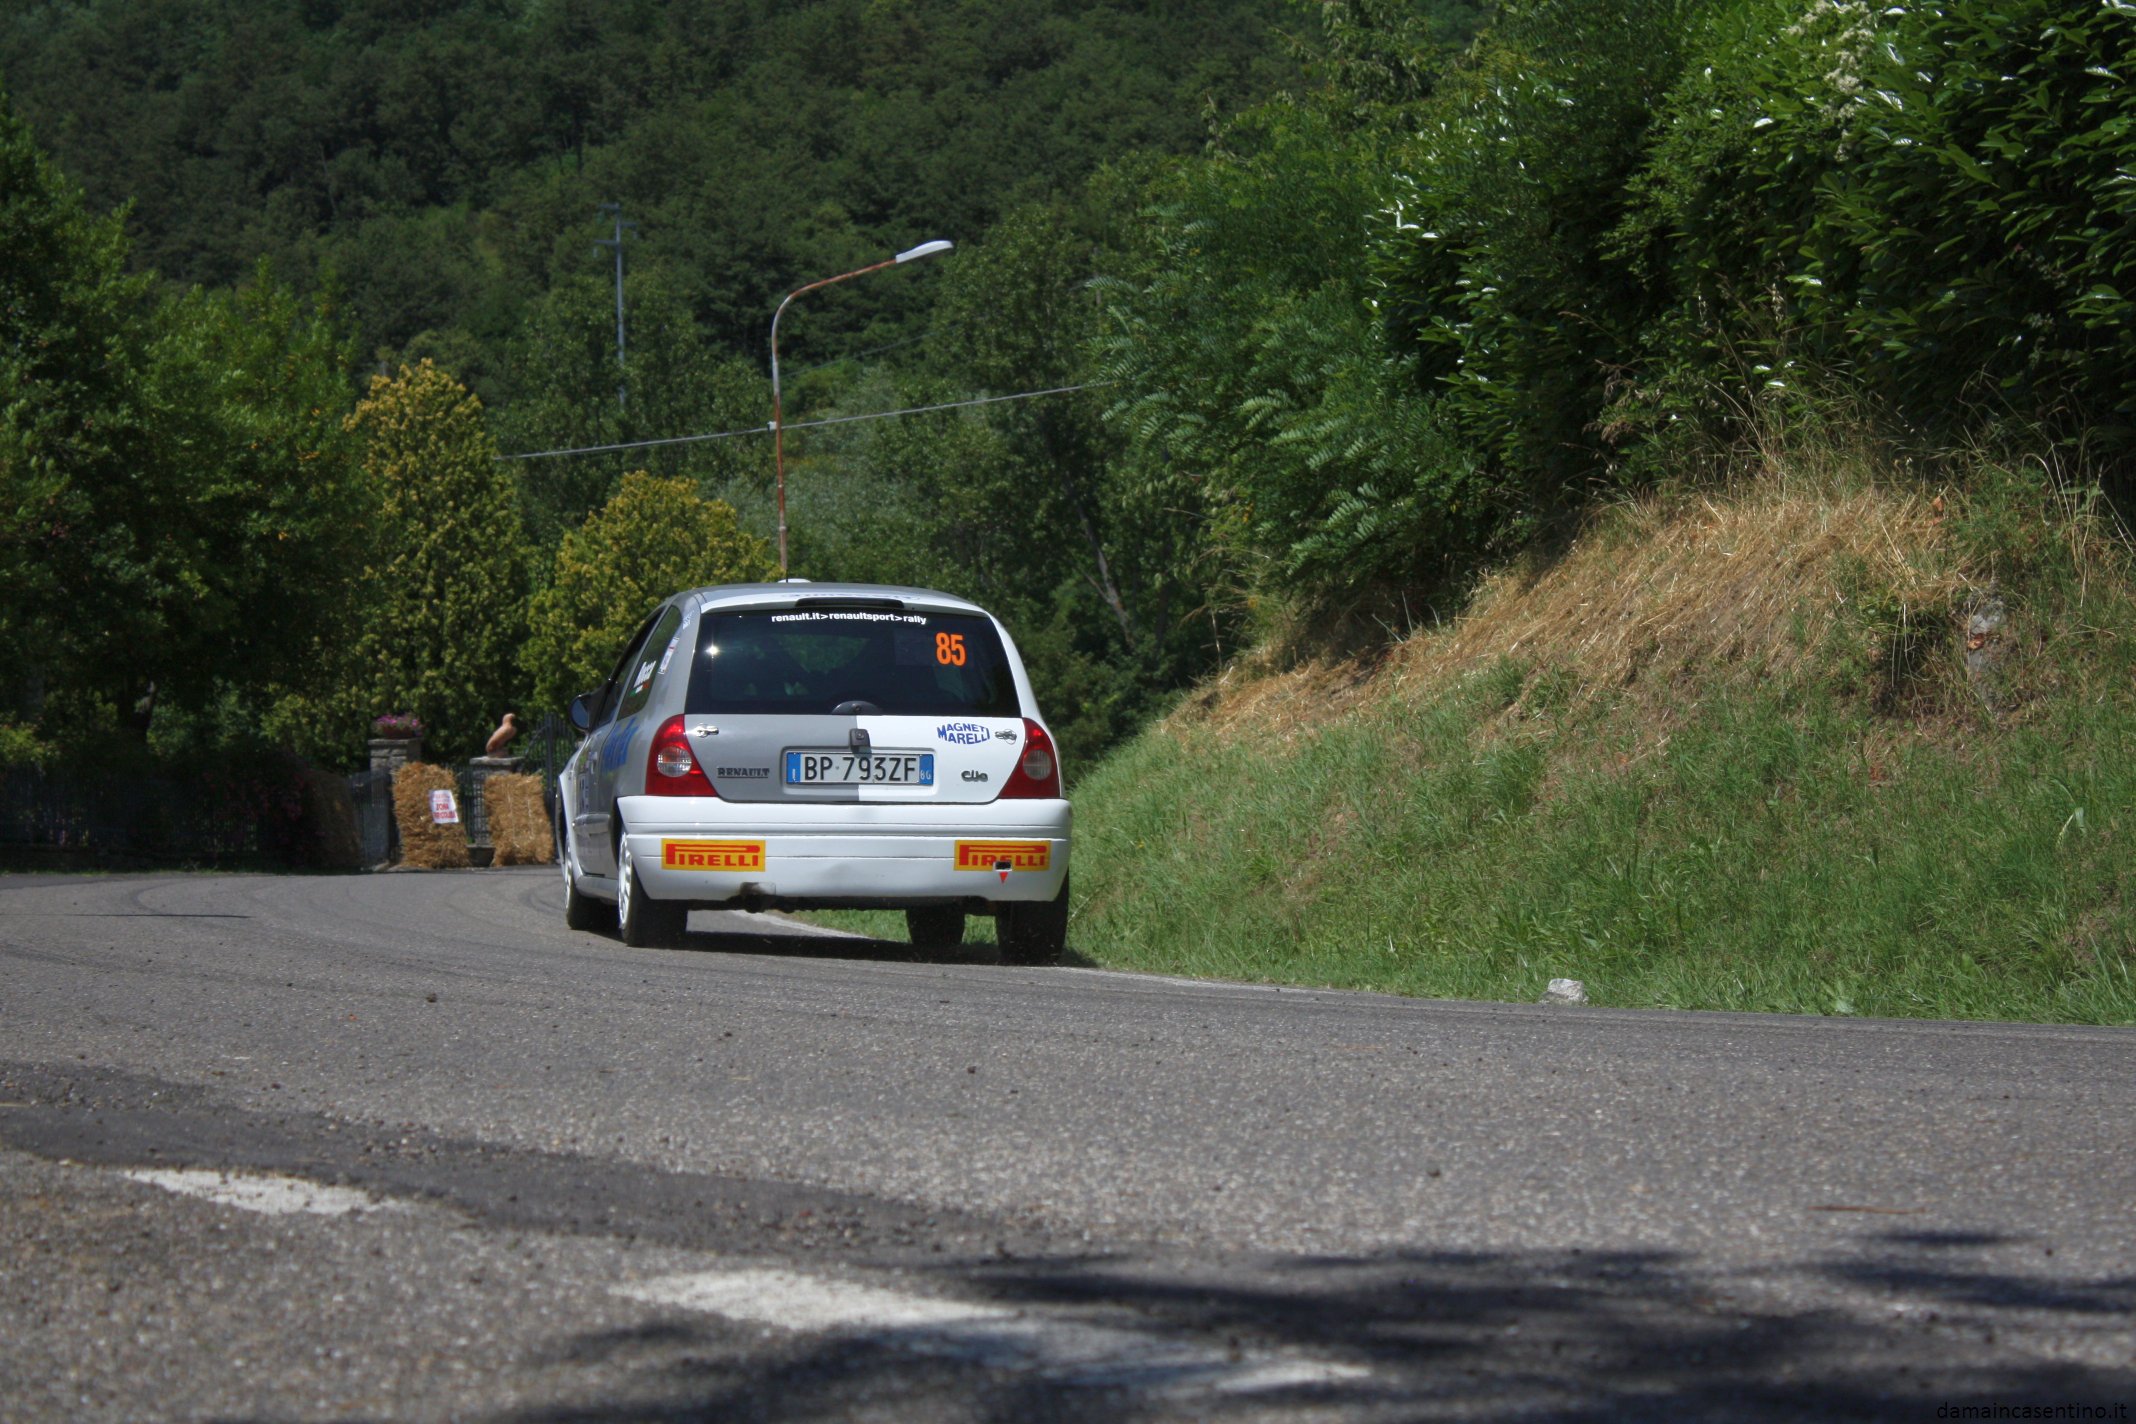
402 1146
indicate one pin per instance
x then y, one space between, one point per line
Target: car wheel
1034 932
935 926
645 923
581 911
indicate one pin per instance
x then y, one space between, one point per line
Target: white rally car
802 746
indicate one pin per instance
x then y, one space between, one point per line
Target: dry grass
1748 587
425 845
1651 600
1285 704
518 825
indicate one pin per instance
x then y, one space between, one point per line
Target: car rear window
814 660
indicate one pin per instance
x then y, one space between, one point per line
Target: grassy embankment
1755 752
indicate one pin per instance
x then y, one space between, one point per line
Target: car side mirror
581 713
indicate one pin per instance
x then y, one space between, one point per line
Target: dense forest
1358 296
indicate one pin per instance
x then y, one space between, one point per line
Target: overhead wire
766 428
876 350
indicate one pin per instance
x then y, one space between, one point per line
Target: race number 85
949 649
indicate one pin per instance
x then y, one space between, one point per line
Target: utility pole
615 210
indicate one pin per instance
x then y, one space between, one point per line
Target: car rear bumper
716 851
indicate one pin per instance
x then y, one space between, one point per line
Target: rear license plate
836 768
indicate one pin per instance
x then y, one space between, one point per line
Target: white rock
1565 991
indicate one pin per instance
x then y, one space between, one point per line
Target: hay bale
425 845
518 824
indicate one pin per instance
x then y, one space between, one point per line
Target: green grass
1753 863
890 924
1791 845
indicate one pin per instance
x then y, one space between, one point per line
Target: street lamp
778 429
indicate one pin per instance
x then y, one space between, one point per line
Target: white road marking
268 1195
791 1301
1069 1352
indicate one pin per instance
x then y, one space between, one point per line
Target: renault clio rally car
804 746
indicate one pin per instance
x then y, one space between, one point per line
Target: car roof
790 594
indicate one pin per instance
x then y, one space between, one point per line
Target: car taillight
672 769
1037 772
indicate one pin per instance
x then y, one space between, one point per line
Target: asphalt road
402 1147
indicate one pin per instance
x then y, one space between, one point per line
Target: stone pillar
392 753
381 833
476 811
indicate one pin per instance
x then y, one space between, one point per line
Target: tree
445 588
1100 588
566 388
652 538
250 396
179 504
1269 428
90 582
1492 250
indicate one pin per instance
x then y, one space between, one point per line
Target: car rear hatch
851 700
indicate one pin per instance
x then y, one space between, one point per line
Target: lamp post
778 427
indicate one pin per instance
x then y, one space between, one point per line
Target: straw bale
425 845
518 824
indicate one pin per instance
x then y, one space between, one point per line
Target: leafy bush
653 538
444 594
1490 249
1982 236
1373 331
1255 392
1934 202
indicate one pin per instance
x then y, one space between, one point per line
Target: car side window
650 659
612 691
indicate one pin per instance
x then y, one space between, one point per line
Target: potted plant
396 739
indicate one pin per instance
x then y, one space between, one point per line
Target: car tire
645 923
1034 932
935 926
581 911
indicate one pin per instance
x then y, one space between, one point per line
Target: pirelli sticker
712 855
1004 855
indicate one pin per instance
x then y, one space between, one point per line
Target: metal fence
371 792
217 817
231 815
548 746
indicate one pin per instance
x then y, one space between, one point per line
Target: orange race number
949 649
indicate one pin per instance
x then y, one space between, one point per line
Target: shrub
1935 201
445 596
651 539
1492 245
